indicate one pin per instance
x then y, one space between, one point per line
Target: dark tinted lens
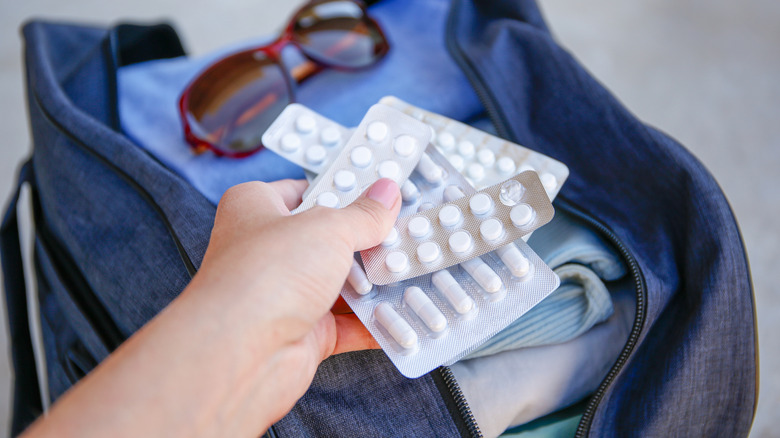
233 102
338 33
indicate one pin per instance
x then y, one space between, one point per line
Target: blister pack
483 158
386 144
426 186
459 230
438 318
305 138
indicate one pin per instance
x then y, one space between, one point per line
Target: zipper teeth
460 402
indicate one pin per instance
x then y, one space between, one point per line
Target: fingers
290 190
352 335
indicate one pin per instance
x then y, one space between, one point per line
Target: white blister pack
386 144
438 318
459 230
484 159
305 138
426 186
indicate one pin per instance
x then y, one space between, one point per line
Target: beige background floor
707 72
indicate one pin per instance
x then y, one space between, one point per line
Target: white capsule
486 157
290 142
357 278
521 215
405 145
446 284
409 192
328 199
517 263
316 154
428 252
466 149
397 262
452 192
305 124
391 238
389 169
449 216
506 165
480 204
419 226
330 136
424 308
485 277
344 180
429 170
457 162
460 242
491 229
376 131
476 171
396 325
445 140
360 156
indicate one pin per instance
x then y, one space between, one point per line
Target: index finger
290 190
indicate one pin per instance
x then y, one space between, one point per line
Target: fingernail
385 191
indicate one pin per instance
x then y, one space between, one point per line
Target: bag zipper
445 377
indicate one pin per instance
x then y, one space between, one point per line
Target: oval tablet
400 330
424 308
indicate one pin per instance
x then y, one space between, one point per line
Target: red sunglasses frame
293 77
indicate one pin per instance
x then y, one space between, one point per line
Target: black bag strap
27 399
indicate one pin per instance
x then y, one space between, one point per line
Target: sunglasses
229 105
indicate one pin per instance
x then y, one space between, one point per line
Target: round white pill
376 131
428 252
549 181
316 154
491 229
486 157
360 156
521 215
391 238
425 206
405 145
460 242
476 171
446 140
480 204
305 124
449 216
328 199
409 192
344 180
330 136
457 162
389 169
290 142
506 165
397 262
419 226
526 167
466 149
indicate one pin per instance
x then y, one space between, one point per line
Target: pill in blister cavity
409 192
330 136
446 140
480 204
466 149
419 227
328 199
506 165
376 131
290 142
391 238
526 167
405 145
511 192
491 229
316 154
396 325
397 261
425 206
549 181
460 242
449 216
476 171
389 169
517 263
486 157
305 124
424 308
455 296
521 215
360 156
485 277
452 193
357 278
344 180
429 170
428 252
457 162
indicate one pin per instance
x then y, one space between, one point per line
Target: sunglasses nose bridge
274 50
